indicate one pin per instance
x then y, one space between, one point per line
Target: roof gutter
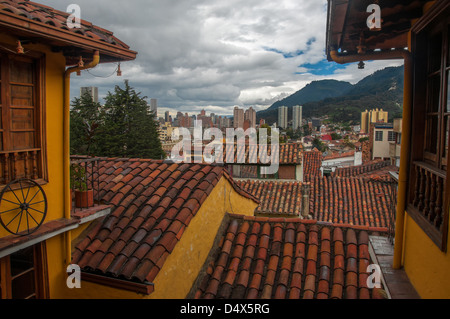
66 145
406 134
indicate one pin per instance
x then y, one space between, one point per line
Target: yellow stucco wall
427 267
181 268
54 72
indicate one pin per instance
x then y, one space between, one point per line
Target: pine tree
85 122
123 127
129 128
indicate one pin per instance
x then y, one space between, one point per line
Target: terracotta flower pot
84 199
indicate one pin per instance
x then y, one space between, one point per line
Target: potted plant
84 197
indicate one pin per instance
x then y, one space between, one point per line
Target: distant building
316 124
395 146
238 117
381 134
92 91
167 116
297 118
154 106
250 115
373 116
283 117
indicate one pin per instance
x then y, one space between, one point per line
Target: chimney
306 187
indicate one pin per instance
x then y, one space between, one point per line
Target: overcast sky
215 54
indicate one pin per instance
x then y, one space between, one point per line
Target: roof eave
41 30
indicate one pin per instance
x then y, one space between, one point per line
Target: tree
123 127
129 128
85 122
335 136
321 146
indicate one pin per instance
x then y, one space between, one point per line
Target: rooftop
153 202
33 21
276 197
352 201
260 258
312 161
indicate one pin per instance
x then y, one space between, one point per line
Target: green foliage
123 127
321 146
294 134
363 139
335 136
85 121
78 179
314 91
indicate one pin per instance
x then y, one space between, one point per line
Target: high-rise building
297 117
373 116
154 106
167 116
91 90
238 117
250 115
283 117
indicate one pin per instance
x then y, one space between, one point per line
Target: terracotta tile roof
154 202
351 200
284 198
336 155
277 258
376 167
312 161
289 154
39 20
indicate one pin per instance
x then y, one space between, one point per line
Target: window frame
377 138
40 269
40 152
429 174
391 136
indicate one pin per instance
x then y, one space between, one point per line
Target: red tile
294 293
296 281
310 283
311 268
351 292
337 291
280 292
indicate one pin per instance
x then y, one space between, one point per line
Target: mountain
315 91
344 102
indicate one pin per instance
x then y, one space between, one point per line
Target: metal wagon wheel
23 207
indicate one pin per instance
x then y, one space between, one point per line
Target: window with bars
21 116
378 136
391 136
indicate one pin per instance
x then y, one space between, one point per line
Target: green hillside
383 89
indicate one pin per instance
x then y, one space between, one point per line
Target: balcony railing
20 164
427 201
90 167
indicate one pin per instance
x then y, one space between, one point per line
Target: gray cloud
195 54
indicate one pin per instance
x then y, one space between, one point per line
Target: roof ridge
298 220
